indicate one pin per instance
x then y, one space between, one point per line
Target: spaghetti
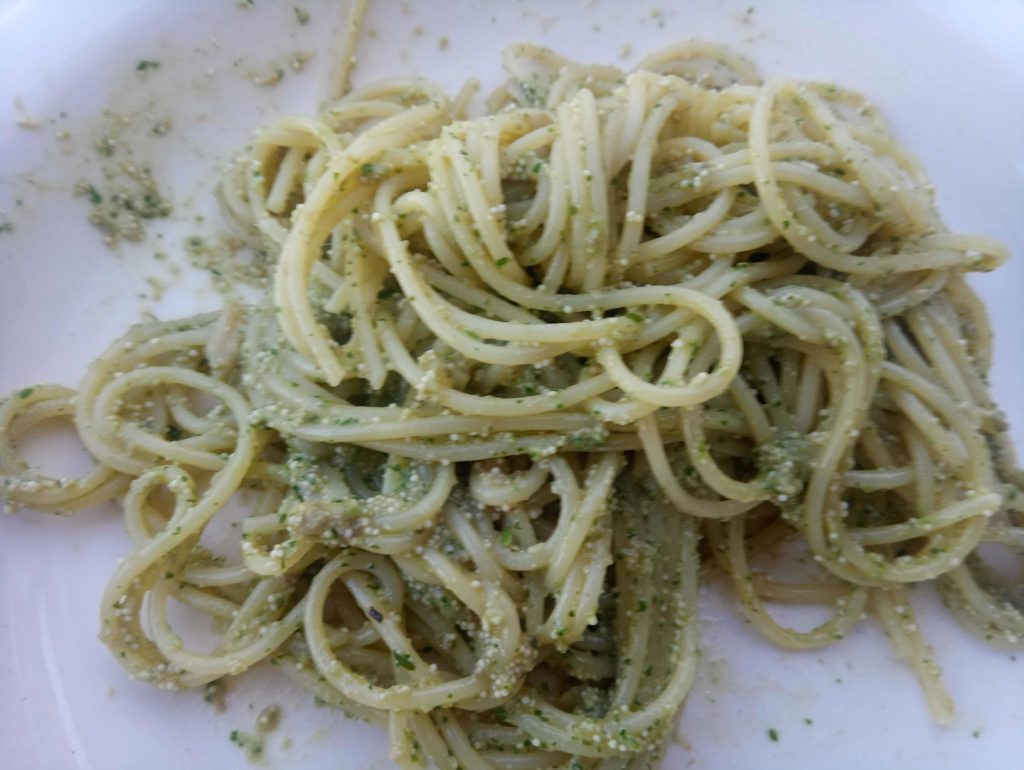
518 376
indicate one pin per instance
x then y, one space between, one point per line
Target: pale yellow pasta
512 368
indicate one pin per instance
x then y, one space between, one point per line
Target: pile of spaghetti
518 378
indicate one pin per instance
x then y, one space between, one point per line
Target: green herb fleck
404 661
213 693
773 734
147 64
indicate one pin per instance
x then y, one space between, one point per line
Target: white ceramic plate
949 75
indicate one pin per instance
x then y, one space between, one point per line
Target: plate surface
948 75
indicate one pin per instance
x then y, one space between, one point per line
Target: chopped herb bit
502 262
301 15
147 64
251 744
25 392
213 693
773 734
404 661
